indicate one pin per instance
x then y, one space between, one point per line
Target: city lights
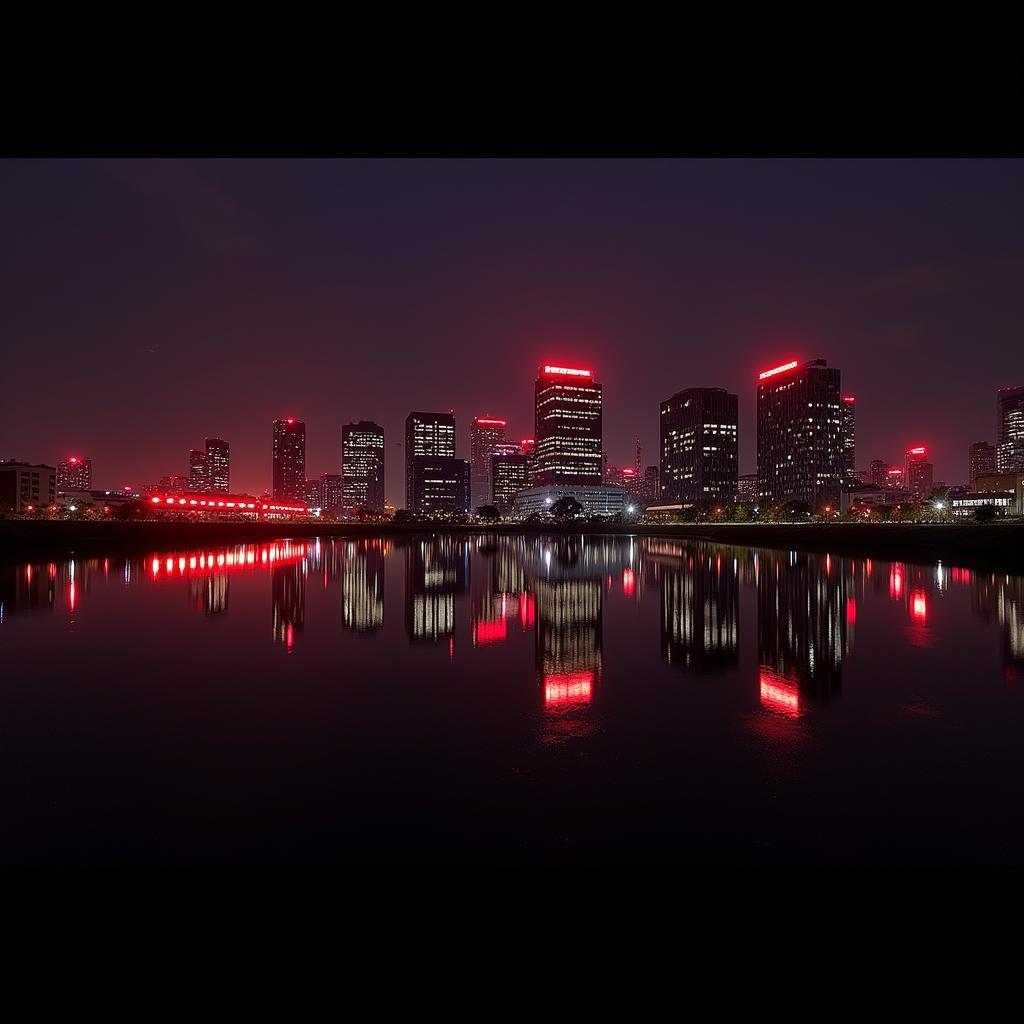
792 364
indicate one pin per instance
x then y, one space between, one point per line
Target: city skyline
296 285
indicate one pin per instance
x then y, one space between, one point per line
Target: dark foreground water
509 699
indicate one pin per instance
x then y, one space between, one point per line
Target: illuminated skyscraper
198 471
917 474
849 427
362 466
982 461
74 474
330 492
510 474
568 417
440 484
799 433
485 434
700 446
426 433
218 461
289 459
879 473
1010 440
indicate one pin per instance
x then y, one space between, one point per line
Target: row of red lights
212 503
566 371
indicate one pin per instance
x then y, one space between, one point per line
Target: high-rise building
331 492
1010 439
638 460
289 459
311 494
485 434
74 474
879 473
430 434
198 471
362 466
568 427
799 433
174 484
440 483
700 446
917 474
746 489
982 461
510 474
218 462
849 428
652 483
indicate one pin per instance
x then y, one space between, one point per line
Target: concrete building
700 446
74 474
440 483
568 427
427 434
362 467
510 474
596 500
981 461
24 487
918 472
289 459
486 433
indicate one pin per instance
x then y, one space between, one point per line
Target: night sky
149 304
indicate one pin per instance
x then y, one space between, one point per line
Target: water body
509 699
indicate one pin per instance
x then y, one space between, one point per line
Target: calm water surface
509 699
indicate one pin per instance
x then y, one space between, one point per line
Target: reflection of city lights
569 688
628 582
851 611
896 582
489 632
919 605
779 693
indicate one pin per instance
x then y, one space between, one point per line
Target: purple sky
148 304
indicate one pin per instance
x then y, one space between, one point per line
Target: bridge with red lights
219 504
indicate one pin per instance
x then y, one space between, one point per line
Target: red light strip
208 503
792 364
848 398
488 423
917 451
569 688
566 371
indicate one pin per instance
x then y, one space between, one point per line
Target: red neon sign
566 371
792 364
488 423
72 460
917 451
848 398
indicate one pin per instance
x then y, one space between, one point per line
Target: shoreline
997 546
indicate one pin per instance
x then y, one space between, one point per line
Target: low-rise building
24 487
596 500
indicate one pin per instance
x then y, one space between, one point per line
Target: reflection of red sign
569 688
527 610
628 582
779 693
919 606
851 611
489 632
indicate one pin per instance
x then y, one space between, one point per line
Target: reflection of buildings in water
802 620
1010 610
26 588
362 586
209 593
498 565
288 603
700 610
436 569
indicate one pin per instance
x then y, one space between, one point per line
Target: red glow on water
851 611
919 606
628 582
896 582
71 594
569 688
527 610
779 693
489 632
792 364
566 371
289 636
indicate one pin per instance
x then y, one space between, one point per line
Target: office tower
1008 399
426 433
510 474
174 484
982 461
485 434
849 429
638 460
330 492
700 446
895 477
879 472
746 488
1010 454
440 483
652 483
24 487
74 474
218 462
799 433
311 493
632 482
612 476
568 418
198 471
362 467
917 474
289 459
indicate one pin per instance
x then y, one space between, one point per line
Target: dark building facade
1010 430
700 446
218 461
330 492
440 483
509 475
198 471
289 459
426 433
799 433
362 466
981 461
879 473
24 487
918 472
568 427
486 433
